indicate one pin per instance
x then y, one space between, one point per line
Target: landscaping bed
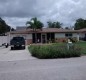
58 50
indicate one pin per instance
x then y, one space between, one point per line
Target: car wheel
12 48
23 47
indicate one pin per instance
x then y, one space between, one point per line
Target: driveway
11 55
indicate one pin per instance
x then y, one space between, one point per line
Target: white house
47 34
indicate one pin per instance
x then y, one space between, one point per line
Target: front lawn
83 46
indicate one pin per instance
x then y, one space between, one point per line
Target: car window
18 38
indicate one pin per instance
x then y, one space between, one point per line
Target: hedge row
54 51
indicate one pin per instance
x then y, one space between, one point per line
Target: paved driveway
11 55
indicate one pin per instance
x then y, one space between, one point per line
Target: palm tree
34 24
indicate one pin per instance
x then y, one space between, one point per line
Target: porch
43 37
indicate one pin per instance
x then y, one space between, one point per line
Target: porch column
78 36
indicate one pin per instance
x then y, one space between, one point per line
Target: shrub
64 41
54 51
74 40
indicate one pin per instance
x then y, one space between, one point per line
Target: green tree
4 27
80 24
54 24
34 24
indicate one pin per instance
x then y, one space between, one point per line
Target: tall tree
34 23
4 27
54 24
80 23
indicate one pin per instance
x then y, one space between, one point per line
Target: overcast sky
17 12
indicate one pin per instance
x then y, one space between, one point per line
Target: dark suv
17 43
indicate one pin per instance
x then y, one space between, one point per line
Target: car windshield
18 38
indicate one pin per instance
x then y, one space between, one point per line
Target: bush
54 51
74 40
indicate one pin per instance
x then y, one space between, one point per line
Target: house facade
46 35
82 33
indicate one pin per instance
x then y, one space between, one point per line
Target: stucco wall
4 39
26 36
62 35
59 35
75 34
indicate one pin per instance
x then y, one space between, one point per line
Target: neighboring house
46 34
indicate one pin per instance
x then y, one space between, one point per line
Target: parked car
17 43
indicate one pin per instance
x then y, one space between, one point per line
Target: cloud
17 12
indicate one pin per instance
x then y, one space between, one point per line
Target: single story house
47 34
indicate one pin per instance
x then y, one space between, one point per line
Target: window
68 35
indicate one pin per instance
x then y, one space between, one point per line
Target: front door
43 38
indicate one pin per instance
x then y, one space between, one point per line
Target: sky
18 12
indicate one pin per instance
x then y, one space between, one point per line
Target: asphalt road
44 69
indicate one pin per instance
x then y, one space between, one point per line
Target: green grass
59 44
83 46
